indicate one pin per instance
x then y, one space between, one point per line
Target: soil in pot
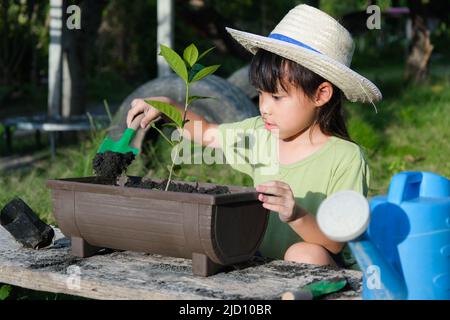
109 167
176 187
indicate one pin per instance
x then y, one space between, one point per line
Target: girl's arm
205 133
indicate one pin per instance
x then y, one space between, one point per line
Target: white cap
344 215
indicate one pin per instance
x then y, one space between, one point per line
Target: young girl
301 71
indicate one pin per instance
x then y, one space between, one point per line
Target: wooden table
134 275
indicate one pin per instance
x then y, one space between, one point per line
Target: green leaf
190 54
169 110
195 68
194 98
175 62
205 72
5 291
205 53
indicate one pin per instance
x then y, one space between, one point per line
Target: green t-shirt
338 165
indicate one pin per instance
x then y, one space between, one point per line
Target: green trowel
315 290
122 139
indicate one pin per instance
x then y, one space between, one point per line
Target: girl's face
287 112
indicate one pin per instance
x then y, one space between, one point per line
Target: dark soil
176 187
109 165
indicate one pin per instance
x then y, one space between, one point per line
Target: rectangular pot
212 230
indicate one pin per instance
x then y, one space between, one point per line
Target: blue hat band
281 37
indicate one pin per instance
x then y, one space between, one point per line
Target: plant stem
182 137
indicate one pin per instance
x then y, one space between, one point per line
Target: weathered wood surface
133 275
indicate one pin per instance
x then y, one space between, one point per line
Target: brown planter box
213 230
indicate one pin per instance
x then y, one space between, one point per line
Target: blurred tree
421 48
23 35
78 49
127 39
426 15
116 44
339 9
210 17
353 16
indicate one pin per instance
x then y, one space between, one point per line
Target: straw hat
318 42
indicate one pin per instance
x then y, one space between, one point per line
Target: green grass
8 292
411 129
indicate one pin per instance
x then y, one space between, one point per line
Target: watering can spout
344 217
380 279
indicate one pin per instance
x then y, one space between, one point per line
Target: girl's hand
281 200
139 106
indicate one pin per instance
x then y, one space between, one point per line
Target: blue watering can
404 252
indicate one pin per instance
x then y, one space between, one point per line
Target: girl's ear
323 94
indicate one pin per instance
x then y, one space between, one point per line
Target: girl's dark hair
268 71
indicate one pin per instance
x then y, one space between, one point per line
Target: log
135 275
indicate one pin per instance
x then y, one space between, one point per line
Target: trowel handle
136 123
297 295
